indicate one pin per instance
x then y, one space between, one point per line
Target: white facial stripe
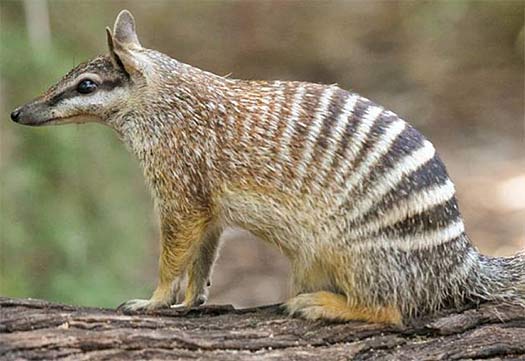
417 241
91 76
315 128
100 98
335 137
389 181
414 204
358 140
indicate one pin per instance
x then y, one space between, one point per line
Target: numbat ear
124 43
114 57
124 30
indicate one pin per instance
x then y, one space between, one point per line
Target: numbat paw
305 306
138 305
198 301
335 307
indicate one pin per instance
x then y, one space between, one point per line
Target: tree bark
35 329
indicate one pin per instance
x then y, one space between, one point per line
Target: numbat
356 198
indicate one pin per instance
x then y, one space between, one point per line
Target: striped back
388 185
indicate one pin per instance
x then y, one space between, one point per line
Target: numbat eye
86 86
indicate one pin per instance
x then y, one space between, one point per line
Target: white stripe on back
335 137
379 149
273 119
275 116
314 130
416 241
291 123
246 133
358 140
409 164
416 203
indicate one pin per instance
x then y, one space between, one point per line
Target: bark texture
39 330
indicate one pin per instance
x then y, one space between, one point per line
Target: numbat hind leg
331 306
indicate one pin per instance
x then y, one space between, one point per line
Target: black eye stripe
58 97
110 84
106 84
72 91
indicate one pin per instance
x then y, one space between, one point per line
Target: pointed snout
15 115
33 113
22 115
39 113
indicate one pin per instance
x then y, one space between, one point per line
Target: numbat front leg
180 241
199 271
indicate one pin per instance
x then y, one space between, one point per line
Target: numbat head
93 91
104 88
355 197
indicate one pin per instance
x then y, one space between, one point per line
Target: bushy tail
500 279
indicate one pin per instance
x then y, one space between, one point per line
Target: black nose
15 115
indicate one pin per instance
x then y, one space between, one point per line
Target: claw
179 306
138 305
201 299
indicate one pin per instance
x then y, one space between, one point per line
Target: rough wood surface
39 330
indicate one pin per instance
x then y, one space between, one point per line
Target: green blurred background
77 224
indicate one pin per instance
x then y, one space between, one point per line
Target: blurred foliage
74 219
76 223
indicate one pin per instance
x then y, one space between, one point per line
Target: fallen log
39 330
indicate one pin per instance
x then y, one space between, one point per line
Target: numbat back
356 198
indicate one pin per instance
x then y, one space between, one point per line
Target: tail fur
500 279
